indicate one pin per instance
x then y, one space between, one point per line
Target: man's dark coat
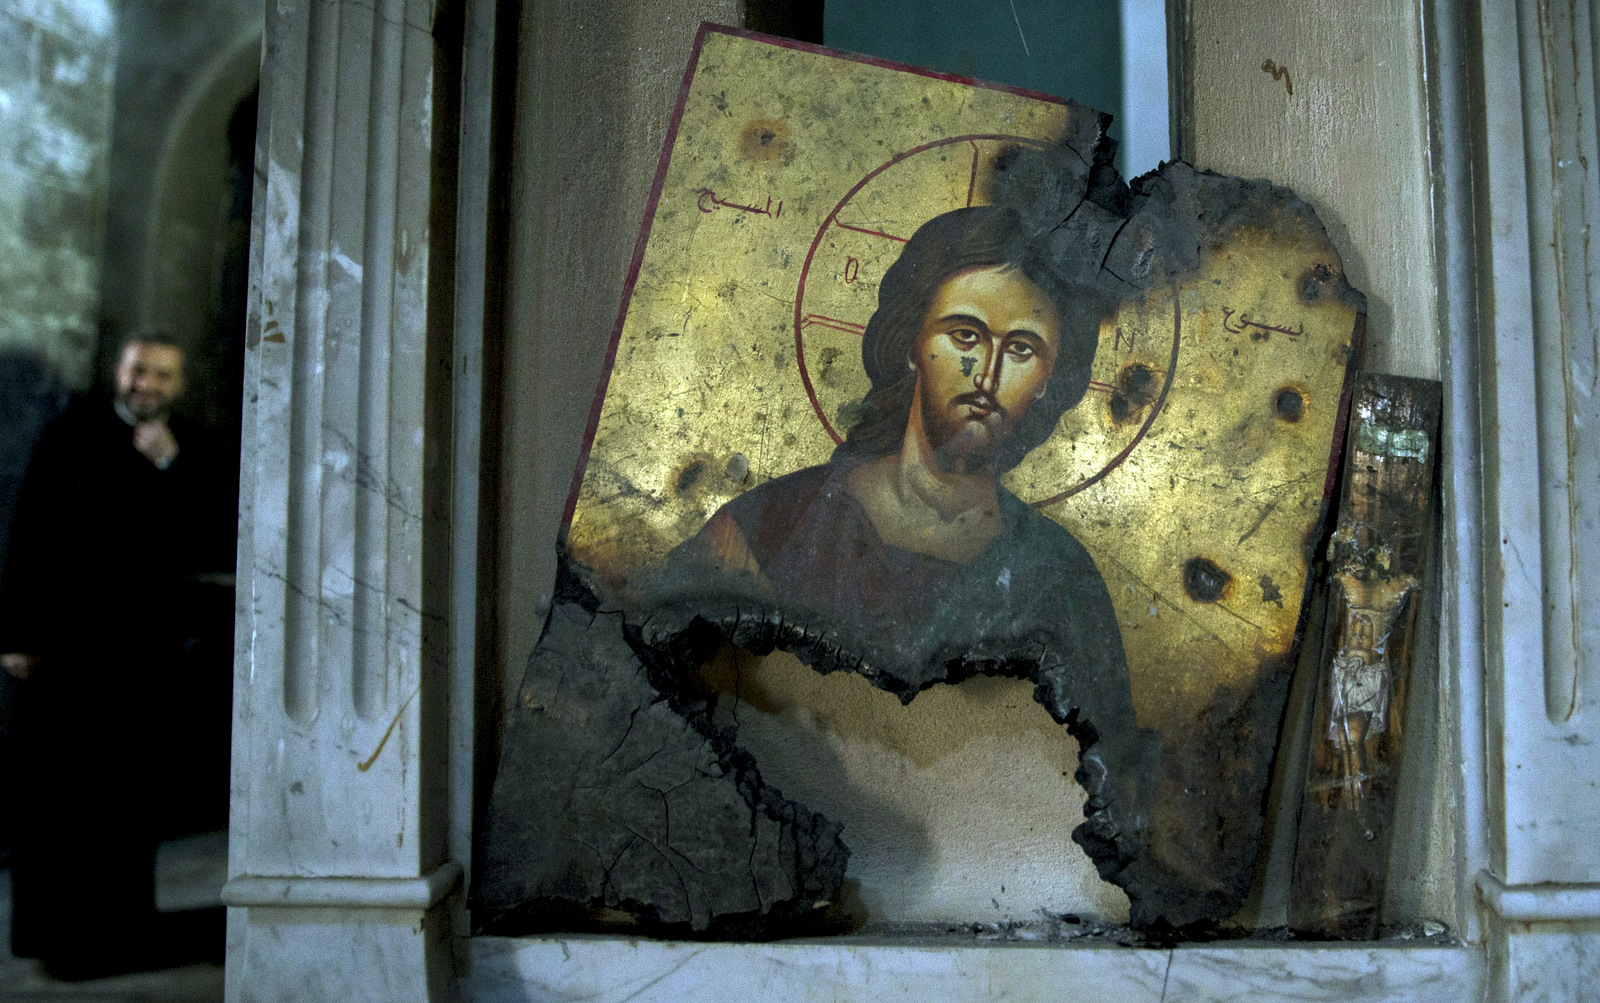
116 579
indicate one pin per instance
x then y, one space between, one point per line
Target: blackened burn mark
1137 385
690 476
1204 580
1290 404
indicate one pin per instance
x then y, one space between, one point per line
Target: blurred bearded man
122 511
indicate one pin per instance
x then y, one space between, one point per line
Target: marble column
338 857
1540 197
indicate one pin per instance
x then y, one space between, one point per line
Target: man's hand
19 664
155 440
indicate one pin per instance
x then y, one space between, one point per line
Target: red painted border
706 27
633 279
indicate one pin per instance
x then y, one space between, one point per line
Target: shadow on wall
181 70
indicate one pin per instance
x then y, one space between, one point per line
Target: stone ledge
1539 903
857 968
347 893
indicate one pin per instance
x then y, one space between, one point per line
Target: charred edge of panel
1116 769
1119 240
1110 844
551 856
1189 892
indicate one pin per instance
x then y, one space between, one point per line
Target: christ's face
984 355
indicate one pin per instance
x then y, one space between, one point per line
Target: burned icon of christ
974 499
904 553
905 543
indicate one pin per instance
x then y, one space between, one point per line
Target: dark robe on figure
118 579
1033 589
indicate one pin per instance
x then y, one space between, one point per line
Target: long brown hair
958 241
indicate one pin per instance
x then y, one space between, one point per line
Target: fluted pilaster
338 734
1541 537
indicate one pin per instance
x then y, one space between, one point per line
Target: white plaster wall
1145 116
958 807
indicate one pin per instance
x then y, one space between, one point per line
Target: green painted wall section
1070 48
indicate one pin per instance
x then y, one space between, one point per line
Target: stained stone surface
56 62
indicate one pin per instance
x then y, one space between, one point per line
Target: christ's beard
966 434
